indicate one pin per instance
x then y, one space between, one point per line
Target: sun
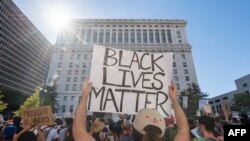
57 17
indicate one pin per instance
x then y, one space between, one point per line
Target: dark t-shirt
210 139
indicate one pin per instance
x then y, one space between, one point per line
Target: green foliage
49 98
3 105
241 102
32 101
194 94
13 98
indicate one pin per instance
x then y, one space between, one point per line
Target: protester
9 130
151 124
26 135
206 128
150 131
96 130
171 130
16 122
66 132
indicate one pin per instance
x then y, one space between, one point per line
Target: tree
14 98
194 94
3 105
241 102
49 98
32 101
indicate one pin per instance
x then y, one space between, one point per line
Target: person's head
58 121
68 121
150 124
27 136
17 120
169 121
206 124
97 126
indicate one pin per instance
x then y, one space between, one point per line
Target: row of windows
71 108
76 72
176 78
76 79
91 25
178 86
126 36
78 56
74 87
185 71
184 64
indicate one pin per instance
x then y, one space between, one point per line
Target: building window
88 35
126 36
74 87
183 56
145 37
120 36
83 34
151 36
76 72
178 33
163 36
101 36
70 65
244 85
72 98
176 78
68 79
169 36
185 71
157 37
61 57
78 56
72 56
67 87
59 65
187 78
138 34
82 79
69 72
178 86
174 64
173 56
83 72
95 36
132 36
175 71
63 108
71 108
179 41
107 37
65 98
113 36
184 64
84 65
85 56
75 79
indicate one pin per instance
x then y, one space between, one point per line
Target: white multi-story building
73 50
242 86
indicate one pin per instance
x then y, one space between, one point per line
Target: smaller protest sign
207 109
40 116
202 103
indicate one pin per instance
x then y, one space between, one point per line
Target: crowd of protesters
147 125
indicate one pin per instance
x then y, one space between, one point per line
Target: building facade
73 50
24 52
242 86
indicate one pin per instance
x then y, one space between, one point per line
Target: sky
218 30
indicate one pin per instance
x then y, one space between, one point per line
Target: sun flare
57 17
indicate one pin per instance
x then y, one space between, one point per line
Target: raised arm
79 126
183 132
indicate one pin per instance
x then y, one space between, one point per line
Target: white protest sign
202 103
207 108
127 81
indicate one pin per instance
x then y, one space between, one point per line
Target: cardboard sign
40 115
127 81
207 109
